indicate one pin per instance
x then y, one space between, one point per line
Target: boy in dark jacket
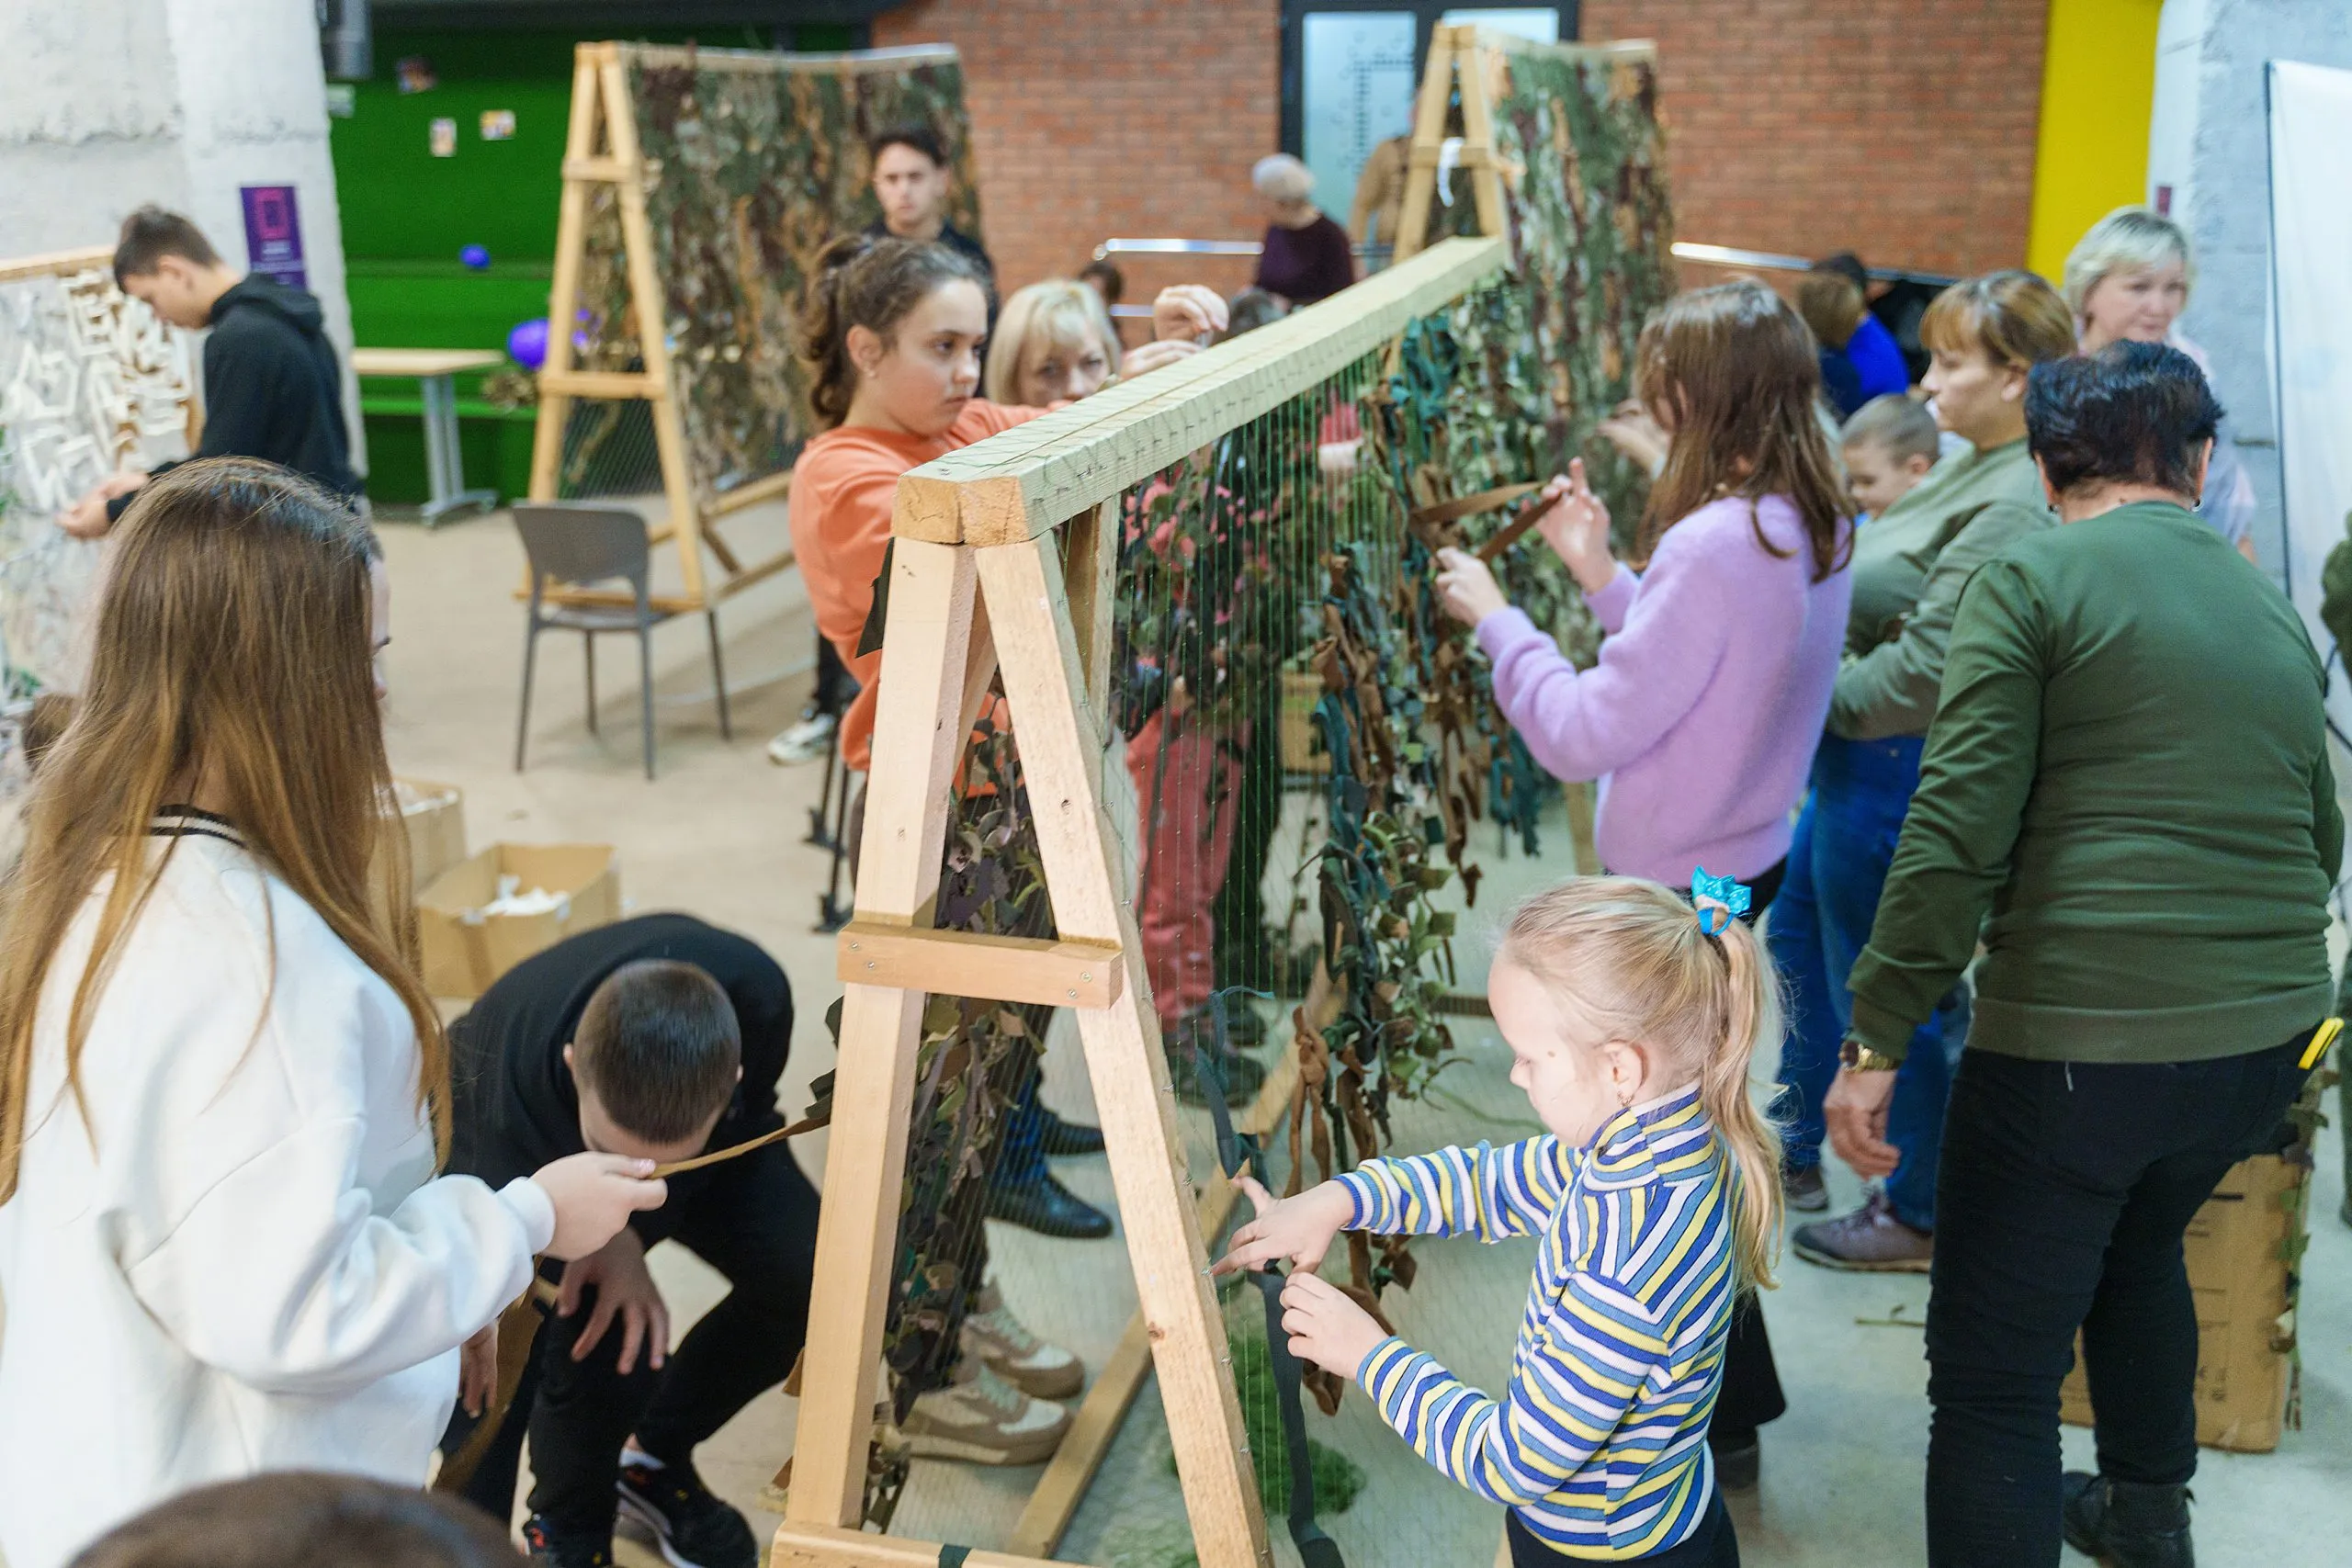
659 1037
272 387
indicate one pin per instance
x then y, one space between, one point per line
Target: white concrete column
2208 146
106 105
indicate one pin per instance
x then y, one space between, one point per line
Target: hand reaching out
1466 586
1326 1325
1152 355
1576 524
1297 1229
1188 311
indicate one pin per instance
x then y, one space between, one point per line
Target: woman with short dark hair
2128 774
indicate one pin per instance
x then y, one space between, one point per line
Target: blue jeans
1838 864
1021 1145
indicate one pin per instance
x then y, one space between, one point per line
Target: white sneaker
1006 1347
983 1419
807 741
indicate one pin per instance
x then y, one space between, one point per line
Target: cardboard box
467 948
1301 751
434 816
2237 1249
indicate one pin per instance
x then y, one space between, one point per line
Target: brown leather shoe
1871 1240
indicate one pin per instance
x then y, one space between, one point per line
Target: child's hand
1299 1229
1576 524
1466 587
1325 1326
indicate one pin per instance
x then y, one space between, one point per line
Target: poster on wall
273 235
2311 347
1357 73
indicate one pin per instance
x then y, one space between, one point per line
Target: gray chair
580 547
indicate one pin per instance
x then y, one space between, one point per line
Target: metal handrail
1684 249
1377 255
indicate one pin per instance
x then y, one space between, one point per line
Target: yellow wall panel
2098 79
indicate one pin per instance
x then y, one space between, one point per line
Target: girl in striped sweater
1632 1017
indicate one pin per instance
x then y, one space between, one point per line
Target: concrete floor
720 835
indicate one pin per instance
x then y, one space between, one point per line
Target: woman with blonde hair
1054 341
223 1089
1721 652
2128 279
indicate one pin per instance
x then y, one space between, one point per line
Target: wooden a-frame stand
959 615
601 149
1456 49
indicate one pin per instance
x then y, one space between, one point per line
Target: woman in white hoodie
223 1091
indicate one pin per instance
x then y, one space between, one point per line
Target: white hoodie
233 1255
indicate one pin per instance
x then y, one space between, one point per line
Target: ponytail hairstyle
874 283
1631 955
1733 373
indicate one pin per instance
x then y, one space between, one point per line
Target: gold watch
1856 1058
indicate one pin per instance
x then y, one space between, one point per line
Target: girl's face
922 377
2135 304
1576 1079
1054 372
1975 399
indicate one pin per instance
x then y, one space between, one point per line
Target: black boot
2127 1524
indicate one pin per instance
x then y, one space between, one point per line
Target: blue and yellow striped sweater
1600 1441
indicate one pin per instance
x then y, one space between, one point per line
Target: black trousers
754 1220
2064 1191
1712 1545
835 688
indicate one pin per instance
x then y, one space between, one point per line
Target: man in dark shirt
273 389
912 179
659 1037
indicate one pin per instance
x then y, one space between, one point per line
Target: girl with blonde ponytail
1633 1017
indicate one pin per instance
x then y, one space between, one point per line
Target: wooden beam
605 170
1091 566
1429 138
1031 479
595 383
773 487
968 964
57 264
1038 654
1054 1501
759 572
1478 65
762 61
652 314
916 748
818 1546
563 294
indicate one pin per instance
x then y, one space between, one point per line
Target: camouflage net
756 161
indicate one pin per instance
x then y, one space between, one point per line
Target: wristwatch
1856 1058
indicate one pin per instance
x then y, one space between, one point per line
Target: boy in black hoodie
272 387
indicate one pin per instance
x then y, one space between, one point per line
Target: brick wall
1900 129
1903 129
1136 117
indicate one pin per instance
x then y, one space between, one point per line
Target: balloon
527 344
475 256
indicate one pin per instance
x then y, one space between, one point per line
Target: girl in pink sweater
1701 717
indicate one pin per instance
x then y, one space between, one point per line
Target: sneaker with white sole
690 1526
1005 1345
983 1419
810 740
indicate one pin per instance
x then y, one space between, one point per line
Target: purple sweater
1701 719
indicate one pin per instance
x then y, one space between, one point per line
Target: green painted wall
406 215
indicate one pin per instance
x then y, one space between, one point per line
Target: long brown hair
863 281
1732 371
1632 955
233 644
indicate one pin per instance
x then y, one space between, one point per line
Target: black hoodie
272 387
